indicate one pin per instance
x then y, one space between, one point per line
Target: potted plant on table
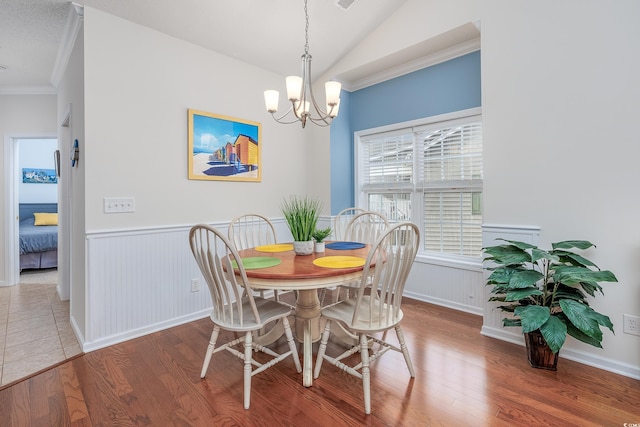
546 291
319 235
301 214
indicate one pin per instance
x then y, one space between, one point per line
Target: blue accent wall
342 157
450 86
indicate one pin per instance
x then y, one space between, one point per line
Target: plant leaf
538 254
568 244
532 316
500 275
574 259
524 279
569 292
507 321
554 332
581 336
583 317
507 255
518 294
572 275
517 244
591 288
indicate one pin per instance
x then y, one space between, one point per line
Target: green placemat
251 263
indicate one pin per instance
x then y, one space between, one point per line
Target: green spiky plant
547 290
301 214
319 234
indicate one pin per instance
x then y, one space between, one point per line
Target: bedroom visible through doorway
37 195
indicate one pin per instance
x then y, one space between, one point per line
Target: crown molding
415 65
71 30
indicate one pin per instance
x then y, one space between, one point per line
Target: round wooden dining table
300 273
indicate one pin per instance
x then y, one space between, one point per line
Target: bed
38 243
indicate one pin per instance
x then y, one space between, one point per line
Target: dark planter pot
538 352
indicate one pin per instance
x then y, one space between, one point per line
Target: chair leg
405 351
322 349
366 374
292 344
210 347
248 354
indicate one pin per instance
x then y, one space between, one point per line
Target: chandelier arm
280 119
321 123
323 114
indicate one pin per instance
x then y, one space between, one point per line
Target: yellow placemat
251 263
280 247
339 261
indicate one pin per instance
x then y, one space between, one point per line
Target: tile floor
35 332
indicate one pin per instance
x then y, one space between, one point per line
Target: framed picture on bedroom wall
39 176
223 148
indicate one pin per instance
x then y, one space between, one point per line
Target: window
429 173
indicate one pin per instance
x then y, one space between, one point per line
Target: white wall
71 234
560 101
139 85
37 154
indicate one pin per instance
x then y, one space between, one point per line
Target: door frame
12 259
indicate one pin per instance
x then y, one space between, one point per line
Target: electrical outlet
195 285
631 324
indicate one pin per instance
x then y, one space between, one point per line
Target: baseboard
129 335
444 303
570 354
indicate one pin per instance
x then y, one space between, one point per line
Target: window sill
462 263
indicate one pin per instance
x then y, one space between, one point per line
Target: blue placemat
345 245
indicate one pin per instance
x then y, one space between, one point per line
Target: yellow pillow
45 218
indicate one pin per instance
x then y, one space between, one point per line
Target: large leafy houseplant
301 214
547 290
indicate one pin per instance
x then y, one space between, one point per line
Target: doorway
13 197
37 195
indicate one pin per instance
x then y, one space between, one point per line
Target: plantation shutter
430 174
388 161
451 182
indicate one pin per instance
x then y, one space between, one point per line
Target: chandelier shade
304 106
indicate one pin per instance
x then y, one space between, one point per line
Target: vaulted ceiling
267 33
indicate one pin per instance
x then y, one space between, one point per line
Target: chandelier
299 92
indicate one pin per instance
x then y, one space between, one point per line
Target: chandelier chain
306 29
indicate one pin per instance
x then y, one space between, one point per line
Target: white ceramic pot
319 246
303 248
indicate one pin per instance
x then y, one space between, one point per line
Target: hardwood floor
462 379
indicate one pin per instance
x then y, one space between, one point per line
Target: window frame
415 189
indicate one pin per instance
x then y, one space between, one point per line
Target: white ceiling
267 33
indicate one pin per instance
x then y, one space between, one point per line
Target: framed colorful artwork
39 176
224 148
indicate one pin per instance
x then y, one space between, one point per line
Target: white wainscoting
453 285
139 282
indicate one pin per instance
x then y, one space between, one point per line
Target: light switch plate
119 204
